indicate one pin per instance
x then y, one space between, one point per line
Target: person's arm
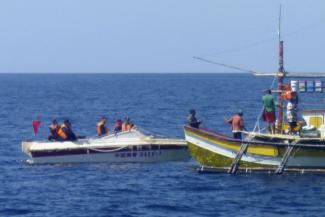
228 121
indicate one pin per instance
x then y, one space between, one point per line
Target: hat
240 112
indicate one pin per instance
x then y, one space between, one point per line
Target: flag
36 124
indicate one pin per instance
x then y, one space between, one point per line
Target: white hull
120 157
130 146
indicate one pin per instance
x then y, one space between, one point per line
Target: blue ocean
158 103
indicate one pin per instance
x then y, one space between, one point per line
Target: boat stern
26 146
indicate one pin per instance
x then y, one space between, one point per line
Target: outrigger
261 151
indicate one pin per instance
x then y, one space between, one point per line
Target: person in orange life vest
127 124
65 132
118 126
101 128
54 128
237 124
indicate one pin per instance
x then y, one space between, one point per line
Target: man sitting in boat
127 124
191 119
269 110
65 132
237 124
54 128
101 128
118 126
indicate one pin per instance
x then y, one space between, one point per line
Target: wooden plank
286 157
235 164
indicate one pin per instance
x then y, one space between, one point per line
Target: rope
225 65
236 49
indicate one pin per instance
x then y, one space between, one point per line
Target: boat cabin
315 118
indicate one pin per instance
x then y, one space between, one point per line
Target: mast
280 76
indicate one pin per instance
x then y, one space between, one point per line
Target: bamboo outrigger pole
280 75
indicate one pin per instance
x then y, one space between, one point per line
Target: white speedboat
128 146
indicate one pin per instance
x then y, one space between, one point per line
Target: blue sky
158 36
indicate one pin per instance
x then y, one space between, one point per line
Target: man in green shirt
269 110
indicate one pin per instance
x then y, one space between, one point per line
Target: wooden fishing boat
260 150
128 146
213 149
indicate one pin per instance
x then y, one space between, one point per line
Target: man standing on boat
237 124
269 110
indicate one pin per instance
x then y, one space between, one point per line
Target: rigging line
303 28
224 65
231 50
240 69
256 126
264 41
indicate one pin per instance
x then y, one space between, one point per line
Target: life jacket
288 95
101 129
61 133
127 126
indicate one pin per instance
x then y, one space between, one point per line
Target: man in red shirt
237 124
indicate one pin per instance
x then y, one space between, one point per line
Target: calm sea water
157 103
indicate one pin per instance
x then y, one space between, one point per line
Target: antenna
279 30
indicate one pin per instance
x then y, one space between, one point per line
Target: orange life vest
288 95
61 133
101 129
126 126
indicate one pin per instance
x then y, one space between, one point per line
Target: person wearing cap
65 132
54 128
101 128
237 124
291 117
269 110
191 119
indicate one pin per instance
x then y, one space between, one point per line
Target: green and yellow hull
216 150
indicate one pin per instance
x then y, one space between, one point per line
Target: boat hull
130 146
216 150
123 156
